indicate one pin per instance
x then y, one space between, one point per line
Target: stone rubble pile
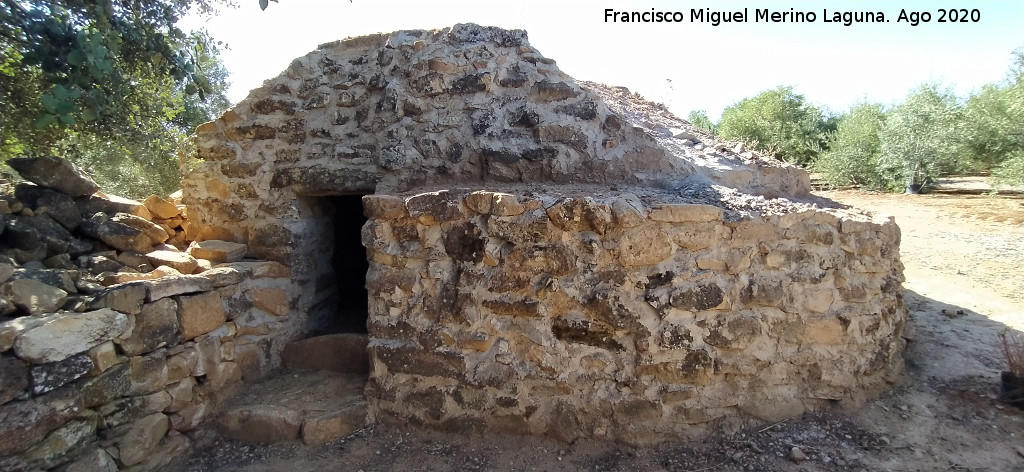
118 336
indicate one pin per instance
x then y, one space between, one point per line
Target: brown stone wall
118 387
618 317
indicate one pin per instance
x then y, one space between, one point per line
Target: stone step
316 406
342 353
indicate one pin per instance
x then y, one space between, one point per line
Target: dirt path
961 253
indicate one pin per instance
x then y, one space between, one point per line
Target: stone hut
533 254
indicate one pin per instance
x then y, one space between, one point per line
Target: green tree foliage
994 127
699 118
852 155
113 84
921 139
780 122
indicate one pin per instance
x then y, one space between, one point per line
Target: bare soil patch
964 257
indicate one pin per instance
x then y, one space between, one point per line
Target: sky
686 65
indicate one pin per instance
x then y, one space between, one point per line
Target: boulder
110 205
34 297
59 278
56 173
200 314
155 326
218 251
25 423
126 298
156 233
67 334
141 437
116 235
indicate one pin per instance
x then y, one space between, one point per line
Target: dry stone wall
115 344
606 316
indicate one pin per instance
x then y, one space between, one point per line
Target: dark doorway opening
350 265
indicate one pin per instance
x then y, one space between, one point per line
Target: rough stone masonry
550 256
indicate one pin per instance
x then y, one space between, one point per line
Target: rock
682 213
62 444
172 446
272 300
110 205
14 373
178 261
10 330
51 376
56 173
124 411
217 251
155 233
107 387
34 297
19 234
796 455
334 425
117 235
126 298
161 208
59 278
223 276
156 326
45 201
345 352
103 356
96 460
167 286
263 424
65 335
200 314
142 436
25 423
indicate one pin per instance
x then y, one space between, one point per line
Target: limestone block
683 213
142 436
644 246
96 460
167 286
346 353
34 297
181 365
217 251
694 369
62 444
384 207
44 201
25 423
825 331
181 394
148 374
62 279
434 207
335 425
415 361
106 387
272 300
52 375
200 314
156 326
580 214
125 298
65 335
14 373
124 411
627 212
153 231
266 424
178 261
161 208
56 173
189 417
10 330
223 276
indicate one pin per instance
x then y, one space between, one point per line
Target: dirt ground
962 252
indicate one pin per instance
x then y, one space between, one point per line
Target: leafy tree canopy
921 138
78 65
699 118
778 121
852 155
